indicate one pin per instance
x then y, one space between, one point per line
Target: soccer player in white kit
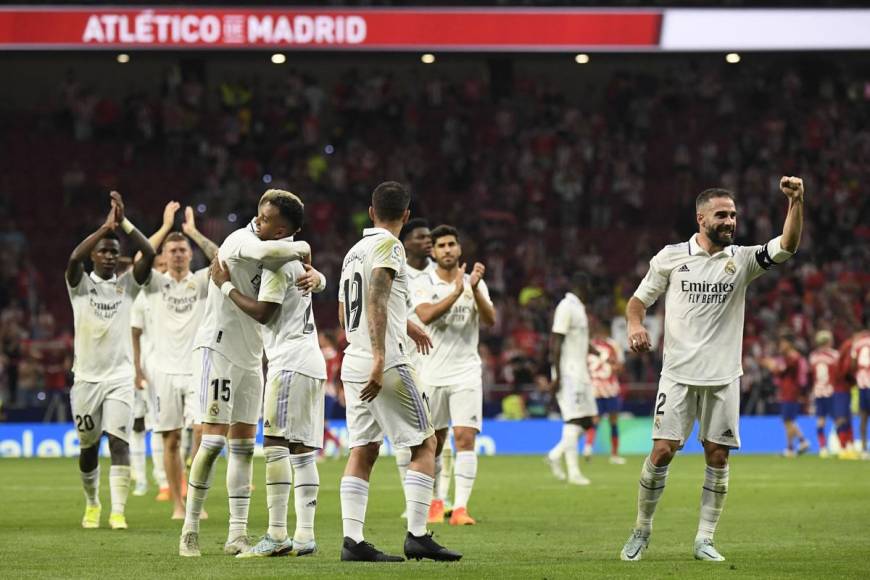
144 402
453 305
416 239
380 390
176 303
102 394
705 282
230 348
293 414
571 383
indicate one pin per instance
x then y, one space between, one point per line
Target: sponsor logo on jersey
707 292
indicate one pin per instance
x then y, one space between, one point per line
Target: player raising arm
704 281
102 394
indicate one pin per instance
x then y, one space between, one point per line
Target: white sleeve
81 289
482 287
654 283
764 257
274 253
421 292
273 286
137 313
562 318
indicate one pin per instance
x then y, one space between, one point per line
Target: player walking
571 384
705 282
605 364
102 394
824 363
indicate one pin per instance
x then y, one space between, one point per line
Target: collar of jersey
695 249
97 280
572 296
372 231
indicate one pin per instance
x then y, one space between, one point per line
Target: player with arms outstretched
705 281
380 390
102 394
230 349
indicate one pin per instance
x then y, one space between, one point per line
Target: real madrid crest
730 267
214 410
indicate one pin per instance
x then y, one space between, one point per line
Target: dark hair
110 235
176 237
444 230
290 207
712 193
412 225
390 200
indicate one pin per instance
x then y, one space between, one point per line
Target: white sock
279 478
119 487
446 472
436 488
240 473
558 450
403 460
199 479
712 500
305 488
570 440
158 471
354 498
186 443
418 496
91 485
137 457
464 476
650 490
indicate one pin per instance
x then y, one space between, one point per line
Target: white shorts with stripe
717 410
400 411
227 393
102 407
293 408
576 399
460 405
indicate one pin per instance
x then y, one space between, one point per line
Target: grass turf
784 518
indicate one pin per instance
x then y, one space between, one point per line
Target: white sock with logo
418 496
119 487
200 478
354 499
279 479
306 485
91 485
650 490
466 473
712 500
240 473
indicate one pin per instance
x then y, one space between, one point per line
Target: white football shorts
576 399
399 411
227 393
460 405
293 408
104 406
717 410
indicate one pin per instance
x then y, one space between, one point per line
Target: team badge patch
730 267
214 410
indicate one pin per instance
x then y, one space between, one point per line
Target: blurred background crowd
545 168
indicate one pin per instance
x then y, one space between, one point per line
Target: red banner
367 29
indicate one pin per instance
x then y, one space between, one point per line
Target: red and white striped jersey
860 355
602 367
824 366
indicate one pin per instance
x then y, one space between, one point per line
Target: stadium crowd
540 182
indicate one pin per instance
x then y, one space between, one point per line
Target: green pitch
804 518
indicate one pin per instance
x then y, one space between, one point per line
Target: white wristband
127 226
226 288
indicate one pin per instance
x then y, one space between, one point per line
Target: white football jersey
225 328
705 301
454 358
377 249
290 337
415 279
176 309
101 317
140 317
570 320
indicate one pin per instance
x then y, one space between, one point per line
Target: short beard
713 236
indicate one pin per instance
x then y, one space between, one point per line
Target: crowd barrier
529 437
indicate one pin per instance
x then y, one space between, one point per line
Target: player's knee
464 439
717 456
269 441
119 450
171 441
663 452
425 449
139 425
